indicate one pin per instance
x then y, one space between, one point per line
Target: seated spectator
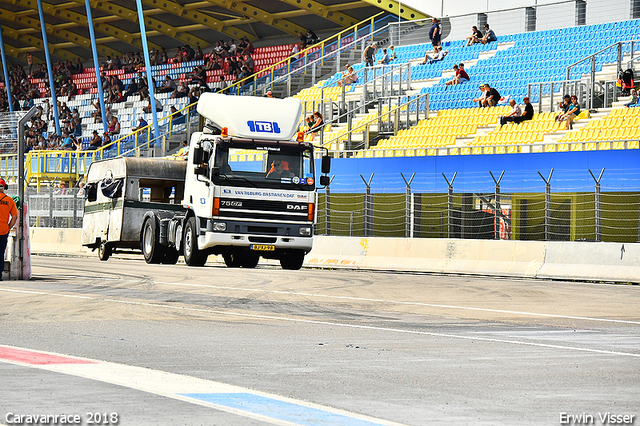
142 123
633 100
67 143
244 73
385 57
106 139
563 106
492 96
96 141
571 114
199 54
77 128
312 38
489 35
181 92
438 55
132 88
475 36
168 85
176 116
117 63
250 49
461 75
392 53
349 77
183 152
528 112
114 126
233 49
515 112
159 106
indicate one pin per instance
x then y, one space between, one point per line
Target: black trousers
3 247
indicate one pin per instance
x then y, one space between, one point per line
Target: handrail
287 61
392 111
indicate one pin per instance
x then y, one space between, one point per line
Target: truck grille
283 211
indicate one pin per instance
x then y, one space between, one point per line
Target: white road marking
400 302
172 385
334 324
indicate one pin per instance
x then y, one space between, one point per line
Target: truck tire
292 260
104 251
171 256
151 249
250 260
232 259
192 255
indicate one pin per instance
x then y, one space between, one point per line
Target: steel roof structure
172 23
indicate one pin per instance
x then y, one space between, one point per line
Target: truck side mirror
325 180
326 164
197 155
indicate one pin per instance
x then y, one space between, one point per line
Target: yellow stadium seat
431 152
576 147
618 145
590 146
513 149
563 147
465 151
633 145
501 150
603 146
421 152
550 148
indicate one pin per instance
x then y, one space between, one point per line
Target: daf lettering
296 207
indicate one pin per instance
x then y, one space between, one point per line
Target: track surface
174 345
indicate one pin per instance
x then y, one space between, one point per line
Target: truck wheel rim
147 239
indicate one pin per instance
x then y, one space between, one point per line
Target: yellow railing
54 165
303 54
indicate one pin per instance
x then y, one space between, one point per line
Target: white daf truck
248 191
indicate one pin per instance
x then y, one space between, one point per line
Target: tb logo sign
263 126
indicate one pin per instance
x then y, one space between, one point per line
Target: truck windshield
269 166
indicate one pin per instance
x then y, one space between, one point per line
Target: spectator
317 126
312 38
250 48
528 112
460 76
633 100
114 126
96 141
303 40
349 77
489 35
492 96
249 62
106 139
438 55
67 143
199 54
182 152
515 112
564 106
392 53
176 116
232 50
132 88
435 33
142 123
269 94
385 57
168 85
475 36
159 106
369 54
77 127
572 113
117 63
181 92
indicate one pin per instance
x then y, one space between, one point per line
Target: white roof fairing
252 117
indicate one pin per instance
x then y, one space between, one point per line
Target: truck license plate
262 247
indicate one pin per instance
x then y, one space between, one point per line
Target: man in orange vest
8 218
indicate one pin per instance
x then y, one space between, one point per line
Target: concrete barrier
528 259
592 261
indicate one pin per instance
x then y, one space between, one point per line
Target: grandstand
403 117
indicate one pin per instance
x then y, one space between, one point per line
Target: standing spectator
475 36
489 35
460 77
572 113
435 33
385 57
303 40
8 218
369 54
312 38
515 112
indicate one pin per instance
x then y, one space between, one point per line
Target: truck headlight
305 231
219 226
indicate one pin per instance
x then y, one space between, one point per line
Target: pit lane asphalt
415 349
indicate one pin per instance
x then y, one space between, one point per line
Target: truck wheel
250 260
232 259
192 255
151 249
292 260
171 256
104 251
